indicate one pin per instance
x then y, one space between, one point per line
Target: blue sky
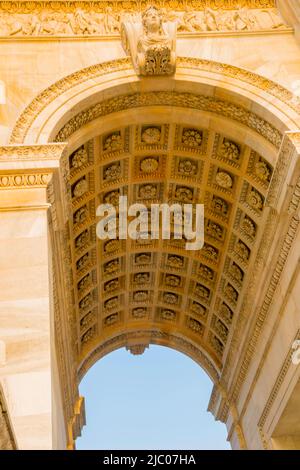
154 401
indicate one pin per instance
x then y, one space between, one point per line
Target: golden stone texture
79 128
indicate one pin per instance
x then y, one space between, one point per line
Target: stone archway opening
171 150
157 400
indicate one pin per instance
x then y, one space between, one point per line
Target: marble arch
241 125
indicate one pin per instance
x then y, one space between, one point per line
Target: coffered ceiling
127 285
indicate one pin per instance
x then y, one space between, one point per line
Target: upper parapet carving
151 43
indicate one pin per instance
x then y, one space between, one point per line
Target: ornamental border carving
51 151
47 158
47 96
282 167
175 99
26 6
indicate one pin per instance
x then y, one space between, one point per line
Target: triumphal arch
165 101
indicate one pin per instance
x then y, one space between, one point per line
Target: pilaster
29 372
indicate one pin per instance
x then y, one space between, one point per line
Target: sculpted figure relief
243 19
153 27
151 44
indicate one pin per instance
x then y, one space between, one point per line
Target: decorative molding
37 175
281 170
174 99
62 301
247 304
27 6
51 151
295 199
294 137
266 444
215 396
47 96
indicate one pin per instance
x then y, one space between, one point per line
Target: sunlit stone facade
164 104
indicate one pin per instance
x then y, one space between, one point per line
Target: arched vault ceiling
156 291
218 139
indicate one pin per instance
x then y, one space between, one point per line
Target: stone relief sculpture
151 43
109 22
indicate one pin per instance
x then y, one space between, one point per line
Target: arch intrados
160 115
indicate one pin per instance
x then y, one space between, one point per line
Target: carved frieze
87 18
